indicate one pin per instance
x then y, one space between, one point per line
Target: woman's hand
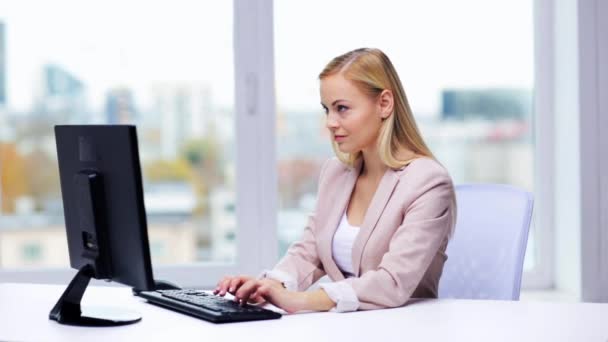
244 287
257 291
230 284
279 296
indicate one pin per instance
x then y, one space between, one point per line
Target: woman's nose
330 121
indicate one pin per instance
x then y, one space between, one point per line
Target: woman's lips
339 137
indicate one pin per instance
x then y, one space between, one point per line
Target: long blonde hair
373 72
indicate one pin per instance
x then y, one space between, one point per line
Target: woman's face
353 117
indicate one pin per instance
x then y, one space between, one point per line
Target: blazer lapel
372 215
338 203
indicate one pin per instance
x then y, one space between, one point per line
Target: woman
385 207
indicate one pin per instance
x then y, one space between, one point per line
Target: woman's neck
373 167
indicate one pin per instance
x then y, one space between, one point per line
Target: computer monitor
105 217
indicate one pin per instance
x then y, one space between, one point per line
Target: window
183 72
468 75
168 68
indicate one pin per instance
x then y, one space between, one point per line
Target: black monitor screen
103 202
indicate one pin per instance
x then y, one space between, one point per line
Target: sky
119 43
434 44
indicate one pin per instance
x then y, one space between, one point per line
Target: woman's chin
344 149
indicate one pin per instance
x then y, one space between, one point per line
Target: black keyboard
207 306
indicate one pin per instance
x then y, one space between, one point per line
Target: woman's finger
224 287
246 290
235 283
255 298
218 287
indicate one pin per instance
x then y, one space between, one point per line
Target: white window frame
256 187
541 276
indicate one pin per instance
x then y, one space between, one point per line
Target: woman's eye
342 108
325 110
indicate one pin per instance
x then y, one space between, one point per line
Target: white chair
486 253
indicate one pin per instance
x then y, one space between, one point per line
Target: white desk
24 310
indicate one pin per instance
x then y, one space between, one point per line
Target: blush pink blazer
400 249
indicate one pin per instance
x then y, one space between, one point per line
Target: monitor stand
68 311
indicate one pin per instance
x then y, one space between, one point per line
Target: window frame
541 276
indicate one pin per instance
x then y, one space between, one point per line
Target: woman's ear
386 102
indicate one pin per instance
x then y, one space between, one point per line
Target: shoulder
425 178
424 170
331 170
334 163
333 167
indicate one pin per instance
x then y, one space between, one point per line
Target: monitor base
100 317
68 311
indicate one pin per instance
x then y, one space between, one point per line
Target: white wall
603 143
593 89
580 78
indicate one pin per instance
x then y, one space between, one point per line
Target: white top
342 246
340 292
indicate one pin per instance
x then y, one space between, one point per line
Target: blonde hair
373 72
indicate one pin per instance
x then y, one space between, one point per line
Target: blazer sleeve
427 221
301 260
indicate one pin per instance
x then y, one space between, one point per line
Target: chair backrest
486 253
